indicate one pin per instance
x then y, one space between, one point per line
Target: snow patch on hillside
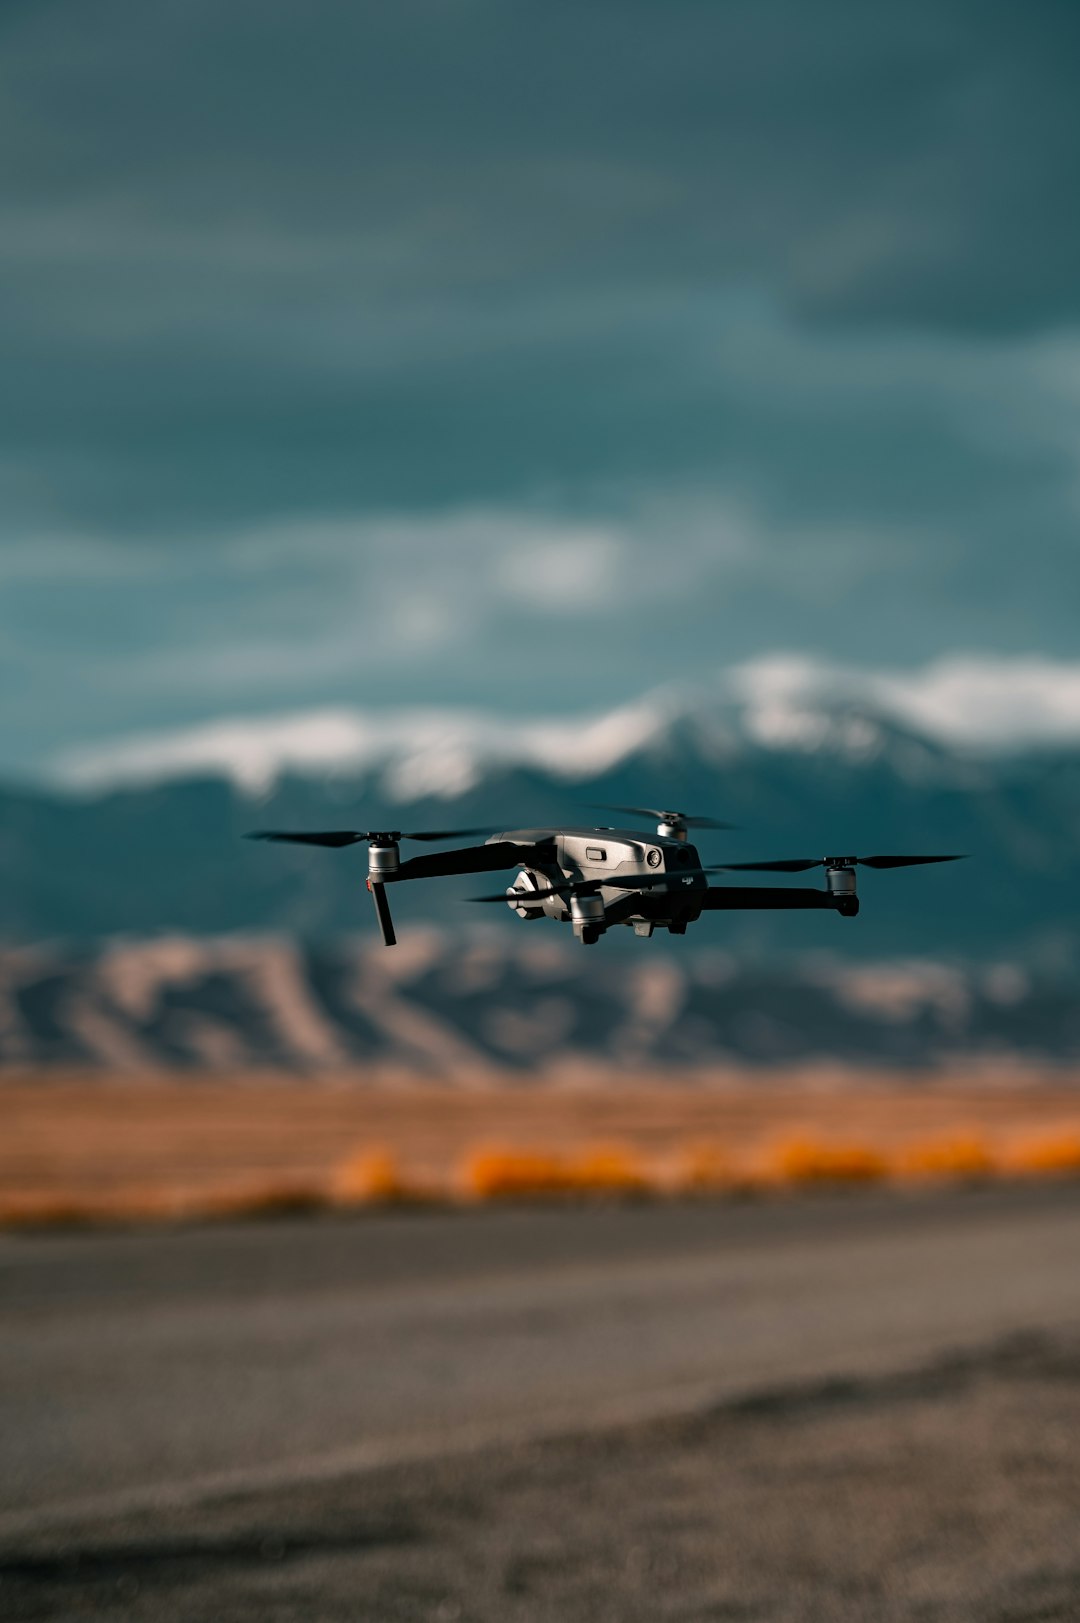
779 702
964 702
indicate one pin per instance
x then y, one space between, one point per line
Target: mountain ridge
969 707
478 1008
170 855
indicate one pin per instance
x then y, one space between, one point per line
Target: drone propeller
386 867
582 887
801 864
673 818
350 836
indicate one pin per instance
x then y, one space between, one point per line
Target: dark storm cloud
906 162
801 277
325 252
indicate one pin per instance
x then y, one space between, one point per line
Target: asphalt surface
157 1369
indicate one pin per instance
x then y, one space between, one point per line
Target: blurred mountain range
474 1009
166 854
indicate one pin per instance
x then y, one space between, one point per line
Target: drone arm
474 859
729 898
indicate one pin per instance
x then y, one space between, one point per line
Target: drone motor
587 915
384 859
840 881
670 825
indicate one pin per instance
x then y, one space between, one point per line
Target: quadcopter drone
594 878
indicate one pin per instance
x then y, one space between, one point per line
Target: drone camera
520 898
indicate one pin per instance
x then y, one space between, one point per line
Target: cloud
576 574
910 165
356 356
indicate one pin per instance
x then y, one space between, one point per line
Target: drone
597 878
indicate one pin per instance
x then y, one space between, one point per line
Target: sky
525 358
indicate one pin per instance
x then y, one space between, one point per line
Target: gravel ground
948 1493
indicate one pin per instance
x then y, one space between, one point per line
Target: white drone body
605 862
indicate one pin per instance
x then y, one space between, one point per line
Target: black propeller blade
796 865
333 837
475 859
581 887
454 833
352 836
801 864
527 896
661 816
907 862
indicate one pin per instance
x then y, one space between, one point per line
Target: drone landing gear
382 912
677 927
848 907
589 935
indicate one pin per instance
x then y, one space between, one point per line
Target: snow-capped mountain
799 773
783 703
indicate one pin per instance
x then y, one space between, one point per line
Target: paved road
145 1367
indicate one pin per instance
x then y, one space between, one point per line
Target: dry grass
268 1199
963 1158
1056 1157
704 1167
140 1206
611 1169
496 1172
374 1177
811 1161
507 1172
41 1210
89 1151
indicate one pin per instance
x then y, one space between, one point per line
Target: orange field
76 1149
